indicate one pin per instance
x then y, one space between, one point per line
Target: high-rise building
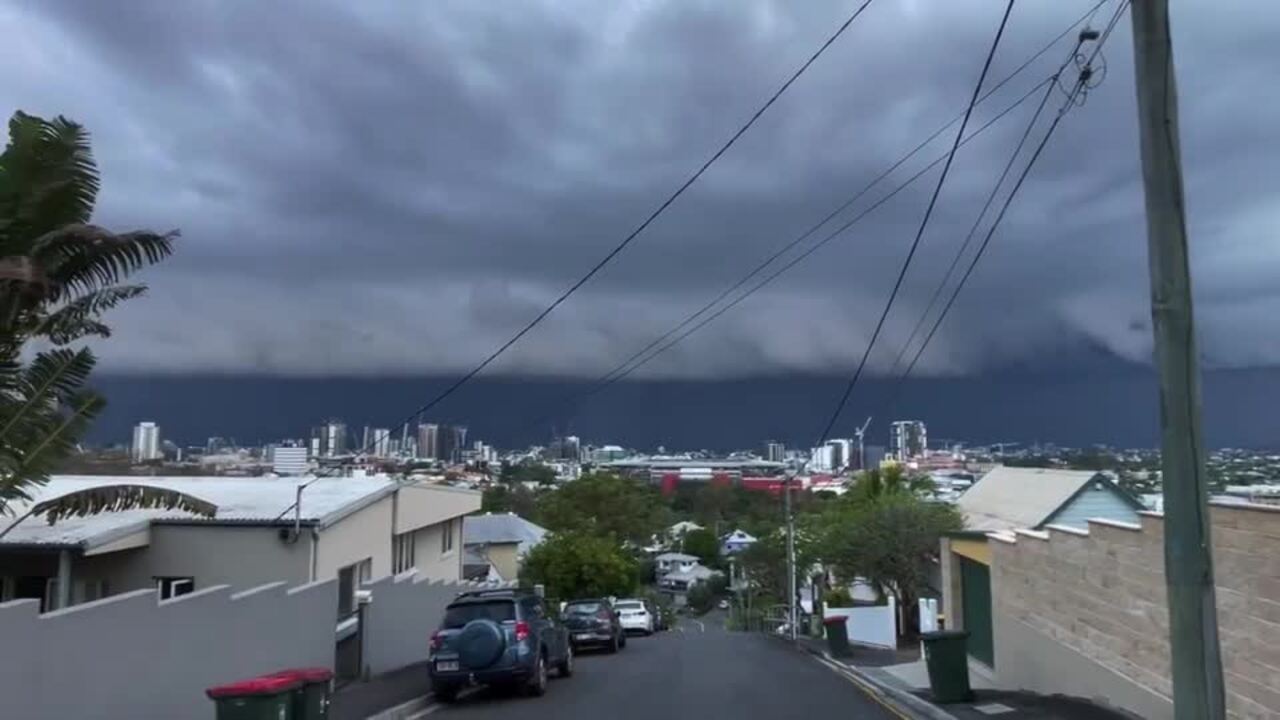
571 448
907 439
329 440
459 443
146 442
289 460
822 459
429 441
841 454
775 451
381 442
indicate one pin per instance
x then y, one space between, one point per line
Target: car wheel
565 668
623 641
537 686
446 693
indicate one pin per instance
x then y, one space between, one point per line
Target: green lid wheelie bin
260 698
837 635
947 657
311 697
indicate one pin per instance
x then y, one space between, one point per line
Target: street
697 671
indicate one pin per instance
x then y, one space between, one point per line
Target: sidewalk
905 686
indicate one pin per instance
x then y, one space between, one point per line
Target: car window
629 606
498 611
585 608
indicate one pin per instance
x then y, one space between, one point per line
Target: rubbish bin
311 697
837 635
260 698
946 655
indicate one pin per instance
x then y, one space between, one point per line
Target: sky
389 187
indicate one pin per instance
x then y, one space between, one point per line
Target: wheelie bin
837 635
260 698
311 697
947 658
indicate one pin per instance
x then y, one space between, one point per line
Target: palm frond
53 376
81 258
49 177
79 317
115 498
37 456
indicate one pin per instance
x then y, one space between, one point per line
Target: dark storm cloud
389 186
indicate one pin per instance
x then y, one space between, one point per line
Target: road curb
897 699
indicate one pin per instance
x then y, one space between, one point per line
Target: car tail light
522 631
437 640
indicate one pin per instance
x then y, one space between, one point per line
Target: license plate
447 665
582 636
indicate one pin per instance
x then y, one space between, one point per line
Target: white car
634 616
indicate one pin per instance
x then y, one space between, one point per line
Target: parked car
497 637
593 623
723 604
634 616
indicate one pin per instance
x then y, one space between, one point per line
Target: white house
501 541
353 529
737 541
674 562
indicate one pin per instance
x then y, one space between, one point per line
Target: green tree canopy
605 504
573 565
876 483
527 471
704 544
516 499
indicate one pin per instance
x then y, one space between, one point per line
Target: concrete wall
364 534
1084 613
430 562
400 619
877 625
213 555
423 505
130 656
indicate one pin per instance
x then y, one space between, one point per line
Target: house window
446 538
402 552
349 580
172 587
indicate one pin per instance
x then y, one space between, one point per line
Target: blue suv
497 637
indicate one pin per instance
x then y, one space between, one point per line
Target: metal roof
1008 498
500 529
240 501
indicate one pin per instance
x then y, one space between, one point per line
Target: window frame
167 586
447 544
404 552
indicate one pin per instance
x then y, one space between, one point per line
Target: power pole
791 559
1188 557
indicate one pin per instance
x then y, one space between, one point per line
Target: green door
975 589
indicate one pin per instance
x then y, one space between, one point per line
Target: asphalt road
697 672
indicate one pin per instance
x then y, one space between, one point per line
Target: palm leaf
54 375
52 442
115 498
83 258
48 178
78 318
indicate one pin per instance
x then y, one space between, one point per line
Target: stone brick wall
1101 594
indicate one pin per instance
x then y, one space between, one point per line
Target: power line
452 388
625 368
1079 88
924 223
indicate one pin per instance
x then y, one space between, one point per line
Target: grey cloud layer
389 186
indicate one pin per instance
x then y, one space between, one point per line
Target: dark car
497 637
594 623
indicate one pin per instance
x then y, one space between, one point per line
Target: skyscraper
429 441
382 442
775 451
146 441
329 439
907 439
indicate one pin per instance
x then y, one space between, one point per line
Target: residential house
501 540
674 562
353 529
1008 499
678 583
736 542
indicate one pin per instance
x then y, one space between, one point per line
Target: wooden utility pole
1188 557
792 615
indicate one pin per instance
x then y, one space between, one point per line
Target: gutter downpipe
315 546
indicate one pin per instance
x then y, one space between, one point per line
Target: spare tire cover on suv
480 643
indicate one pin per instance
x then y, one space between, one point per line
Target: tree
605 504
58 275
516 499
527 471
573 564
891 541
876 483
704 544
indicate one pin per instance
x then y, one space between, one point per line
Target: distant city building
329 440
429 441
874 456
841 454
381 442
289 460
907 439
775 452
608 453
146 442
459 433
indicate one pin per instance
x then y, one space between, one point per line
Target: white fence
132 656
399 620
876 625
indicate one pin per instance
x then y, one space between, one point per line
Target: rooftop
240 501
501 528
1012 497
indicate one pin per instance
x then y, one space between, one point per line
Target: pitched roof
675 557
501 529
697 572
240 501
1011 497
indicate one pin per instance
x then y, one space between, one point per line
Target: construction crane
862 450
